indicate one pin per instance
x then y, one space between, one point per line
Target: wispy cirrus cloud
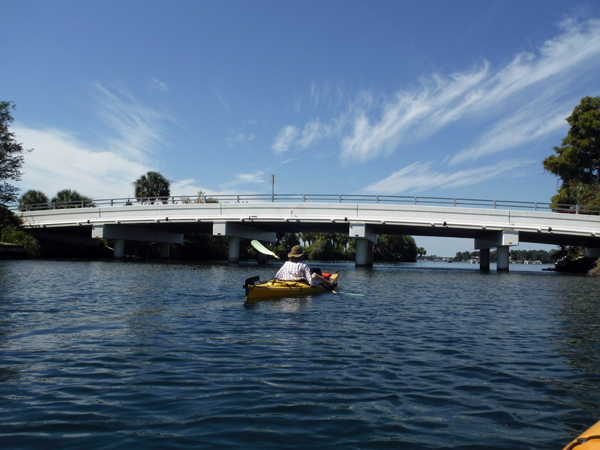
285 139
61 161
410 115
134 130
505 107
516 130
421 176
237 137
257 176
192 188
158 85
313 131
377 127
105 167
440 101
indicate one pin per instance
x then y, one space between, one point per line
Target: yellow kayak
278 288
589 440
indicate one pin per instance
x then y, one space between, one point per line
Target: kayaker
294 269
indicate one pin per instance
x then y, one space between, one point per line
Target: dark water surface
109 355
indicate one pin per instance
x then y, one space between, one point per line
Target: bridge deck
415 220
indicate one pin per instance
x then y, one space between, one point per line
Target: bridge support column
365 238
234 249
364 253
119 250
262 258
235 231
165 249
484 259
592 252
121 233
501 240
502 258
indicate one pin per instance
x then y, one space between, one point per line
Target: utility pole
273 188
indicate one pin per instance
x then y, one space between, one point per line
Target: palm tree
151 186
69 196
309 238
33 197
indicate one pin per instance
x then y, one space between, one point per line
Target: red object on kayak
326 275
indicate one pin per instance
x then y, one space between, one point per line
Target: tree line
545 257
340 246
317 246
149 187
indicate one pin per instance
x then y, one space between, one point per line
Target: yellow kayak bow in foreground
589 440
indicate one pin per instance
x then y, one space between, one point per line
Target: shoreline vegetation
206 247
565 259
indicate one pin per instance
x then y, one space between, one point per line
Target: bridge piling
365 238
592 252
165 249
502 258
364 253
234 249
119 250
262 258
484 259
500 240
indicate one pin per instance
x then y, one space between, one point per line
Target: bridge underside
266 231
341 227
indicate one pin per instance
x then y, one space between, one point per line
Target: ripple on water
109 355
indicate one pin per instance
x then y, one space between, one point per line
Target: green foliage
577 161
328 247
285 243
395 248
514 255
151 187
533 255
11 233
204 246
33 197
309 238
11 155
341 247
7 220
67 196
319 250
463 256
30 245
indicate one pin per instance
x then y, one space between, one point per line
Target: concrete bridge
490 223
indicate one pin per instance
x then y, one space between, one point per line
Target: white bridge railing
317 198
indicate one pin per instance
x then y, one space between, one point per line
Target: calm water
107 355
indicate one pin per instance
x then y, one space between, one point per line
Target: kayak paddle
328 288
261 248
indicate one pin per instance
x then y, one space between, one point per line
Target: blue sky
429 98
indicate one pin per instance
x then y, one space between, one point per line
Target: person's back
295 269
